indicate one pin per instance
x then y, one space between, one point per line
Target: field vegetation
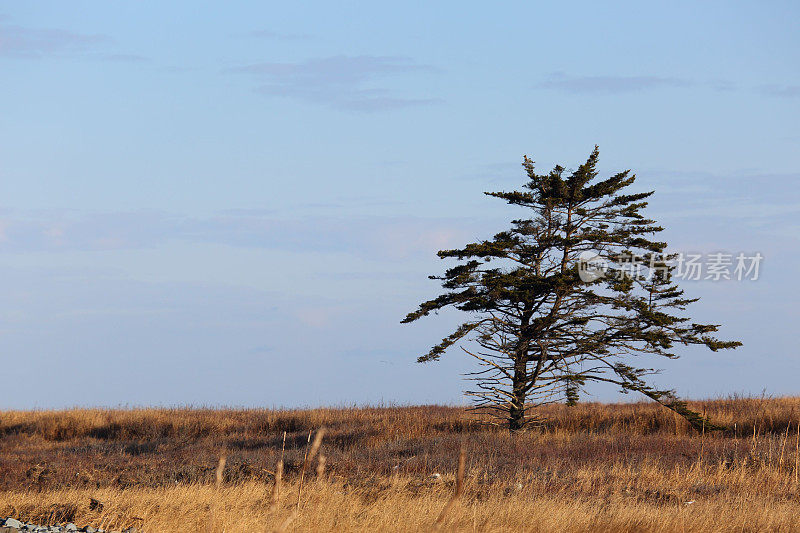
589 467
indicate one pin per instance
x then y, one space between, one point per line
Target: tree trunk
516 411
516 415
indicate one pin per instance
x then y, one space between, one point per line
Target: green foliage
572 394
539 332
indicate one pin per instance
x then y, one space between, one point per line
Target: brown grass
593 467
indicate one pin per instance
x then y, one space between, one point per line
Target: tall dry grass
646 499
593 467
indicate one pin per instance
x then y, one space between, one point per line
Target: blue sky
235 205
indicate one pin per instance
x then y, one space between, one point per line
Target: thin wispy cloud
344 82
741 209
19 41
124 58
269 34
781 91
494 173
609 84
33 43
388 237
748 201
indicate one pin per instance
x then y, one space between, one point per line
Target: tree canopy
574 294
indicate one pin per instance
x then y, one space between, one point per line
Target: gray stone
12 525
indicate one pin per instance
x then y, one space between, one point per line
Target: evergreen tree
544 323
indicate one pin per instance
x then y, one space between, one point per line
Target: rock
95 505
12 525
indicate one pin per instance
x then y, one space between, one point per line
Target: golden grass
645 500
594 467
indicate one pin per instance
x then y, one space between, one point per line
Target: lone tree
567 297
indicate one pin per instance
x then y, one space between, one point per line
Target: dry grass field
592 467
